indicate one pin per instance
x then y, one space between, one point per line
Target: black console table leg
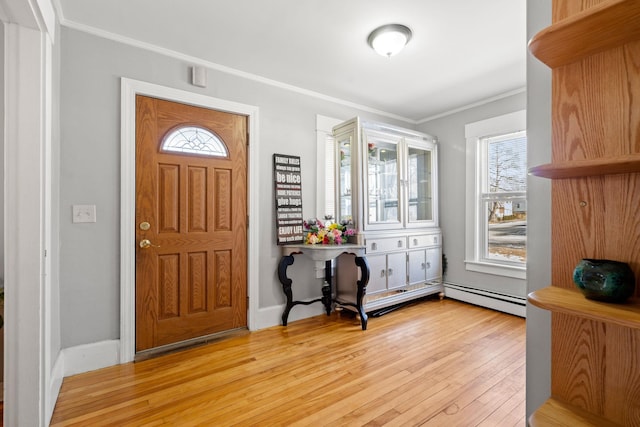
327 298
362 289
285 262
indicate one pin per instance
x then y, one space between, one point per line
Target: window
496 208
326 156
194 140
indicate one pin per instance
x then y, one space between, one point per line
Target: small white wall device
199 76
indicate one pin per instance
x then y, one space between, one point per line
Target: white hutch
387 185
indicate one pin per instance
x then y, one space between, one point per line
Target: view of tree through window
503 195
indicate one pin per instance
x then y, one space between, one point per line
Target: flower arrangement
319 233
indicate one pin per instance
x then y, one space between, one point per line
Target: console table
325 253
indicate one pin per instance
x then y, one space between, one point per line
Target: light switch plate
84 213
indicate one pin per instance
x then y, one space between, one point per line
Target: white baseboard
89 357
272 316
493 300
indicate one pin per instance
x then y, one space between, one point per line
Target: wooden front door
191 235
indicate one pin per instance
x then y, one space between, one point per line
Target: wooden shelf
629 163
555 413
572 302
604 26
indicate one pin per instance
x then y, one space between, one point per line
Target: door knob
145 243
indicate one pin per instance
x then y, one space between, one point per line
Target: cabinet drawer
421 240
386 244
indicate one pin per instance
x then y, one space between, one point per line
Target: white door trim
129 90
27 202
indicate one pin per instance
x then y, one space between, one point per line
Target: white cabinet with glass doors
386 187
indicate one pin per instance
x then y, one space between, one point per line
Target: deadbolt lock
145 226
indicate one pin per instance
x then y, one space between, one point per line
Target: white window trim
507 123
324 127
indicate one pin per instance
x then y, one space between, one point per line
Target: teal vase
604 280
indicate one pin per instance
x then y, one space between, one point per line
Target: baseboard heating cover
493 300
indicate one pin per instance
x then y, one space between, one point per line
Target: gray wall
91 68
452 164
2 150
539 204
2 189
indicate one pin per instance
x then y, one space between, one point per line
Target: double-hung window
496 208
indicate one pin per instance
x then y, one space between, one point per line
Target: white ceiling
462 51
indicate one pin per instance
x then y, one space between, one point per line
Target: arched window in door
194 140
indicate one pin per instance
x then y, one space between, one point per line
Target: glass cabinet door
382 196
345 190
419 184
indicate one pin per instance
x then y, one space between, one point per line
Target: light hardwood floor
434 363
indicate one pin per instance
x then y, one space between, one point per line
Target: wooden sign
288 193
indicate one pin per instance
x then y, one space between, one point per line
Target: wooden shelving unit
593 48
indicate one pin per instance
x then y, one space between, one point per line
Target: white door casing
29 396
129 90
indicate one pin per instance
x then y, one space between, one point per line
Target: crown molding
473 105
222 68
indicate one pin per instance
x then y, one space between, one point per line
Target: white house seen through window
503 197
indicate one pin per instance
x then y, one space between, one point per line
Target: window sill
497 269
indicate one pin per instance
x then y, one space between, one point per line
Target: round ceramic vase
604 280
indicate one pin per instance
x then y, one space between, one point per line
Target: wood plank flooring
434 363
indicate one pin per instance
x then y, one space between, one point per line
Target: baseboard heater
493 300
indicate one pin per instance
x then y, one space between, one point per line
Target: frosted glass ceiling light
389 39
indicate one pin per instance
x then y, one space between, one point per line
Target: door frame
129 89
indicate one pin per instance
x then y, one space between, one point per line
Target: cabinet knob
424 265
374 246
415 242
428 265
390 271
399 243
382 273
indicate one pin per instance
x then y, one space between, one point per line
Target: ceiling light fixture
389 39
